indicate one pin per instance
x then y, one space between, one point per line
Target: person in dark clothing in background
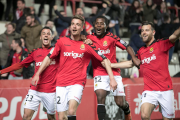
8 8
51 4
88 21
60 24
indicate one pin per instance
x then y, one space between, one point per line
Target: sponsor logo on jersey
151 50
74 55
51 50
149 59
53 62
82 47
105 43
104 51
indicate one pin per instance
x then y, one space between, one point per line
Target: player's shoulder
163 39
141 49
112 36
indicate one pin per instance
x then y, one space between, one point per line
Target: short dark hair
23 1
18 41
105 19
148 23
166 17
46 28
13 25
80 18
30 15
49 20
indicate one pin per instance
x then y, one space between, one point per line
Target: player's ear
154 32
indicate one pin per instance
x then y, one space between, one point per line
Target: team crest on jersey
105 43
151 50
82 47
19 57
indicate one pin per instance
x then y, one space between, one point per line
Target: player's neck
150 42
101 36
75 37
19 49
46 46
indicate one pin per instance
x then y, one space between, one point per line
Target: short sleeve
28 60
165 44
91 49
54 52
118 42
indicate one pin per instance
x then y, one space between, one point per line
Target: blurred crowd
22 33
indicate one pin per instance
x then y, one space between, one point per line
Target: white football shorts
163 98
103 82
64 94
34 98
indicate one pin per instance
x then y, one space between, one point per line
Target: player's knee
120 103
101 99
62 118
144 116
71 111
26 117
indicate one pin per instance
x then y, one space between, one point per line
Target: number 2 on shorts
29 97
58 100
97 79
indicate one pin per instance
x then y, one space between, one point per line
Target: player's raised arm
175 36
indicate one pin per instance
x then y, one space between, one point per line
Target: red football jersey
154 65
74 59
16 59
107 46
47 81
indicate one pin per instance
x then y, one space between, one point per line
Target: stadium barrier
13 92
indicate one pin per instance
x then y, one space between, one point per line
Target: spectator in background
94 10
19 11
51 4
17 54
149 11
135 14
60 24
136 42
88 21
114 14
6 39
31 33
23 44
10 3
50 24
1 9
22 20
161 12
122 12
33 13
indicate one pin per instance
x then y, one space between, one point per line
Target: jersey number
29 98
58 100
98 79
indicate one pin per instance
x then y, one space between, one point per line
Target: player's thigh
120 87
47 100
75 92
32 100
146 110
148 102
102 82
166 101
164 118
28 113
73 105
120 100
101 95
61 99
62 115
